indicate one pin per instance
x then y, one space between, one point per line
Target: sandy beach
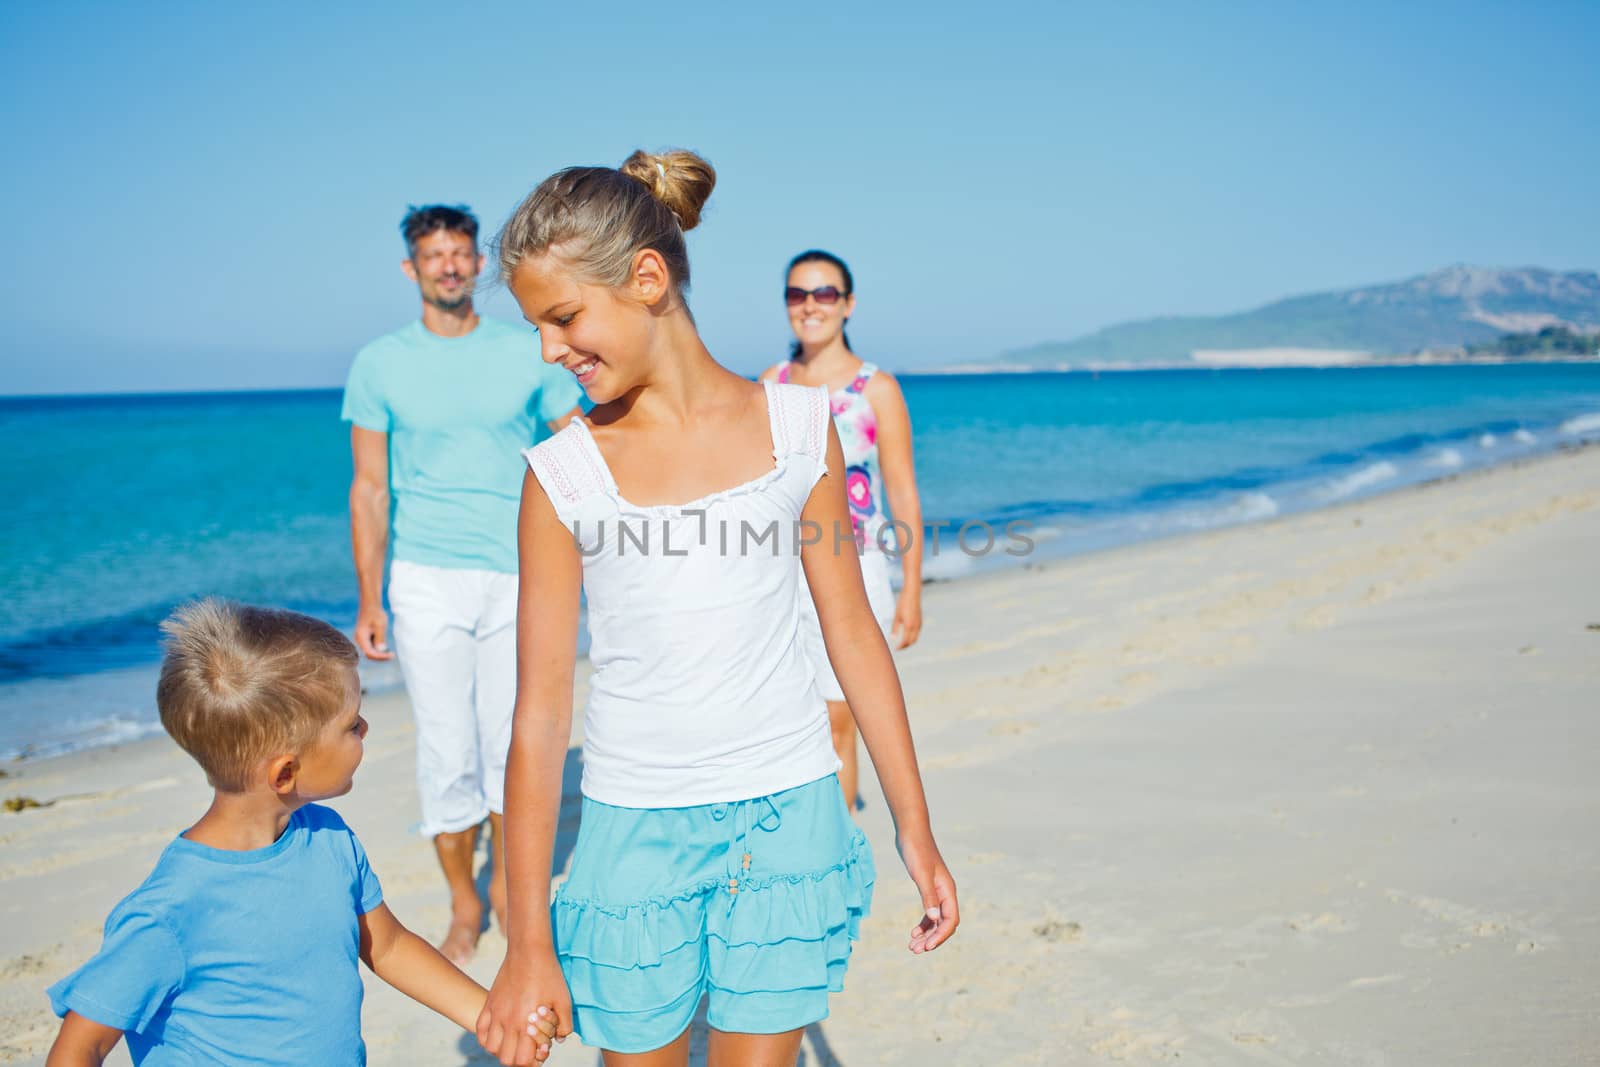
1320 790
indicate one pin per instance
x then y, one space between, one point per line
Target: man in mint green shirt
440 411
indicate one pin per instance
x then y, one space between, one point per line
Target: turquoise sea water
119 508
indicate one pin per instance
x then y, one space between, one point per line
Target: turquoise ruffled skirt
752 904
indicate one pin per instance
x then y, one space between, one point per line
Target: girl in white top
715 857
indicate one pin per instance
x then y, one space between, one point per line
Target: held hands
372 632
940 912
525 989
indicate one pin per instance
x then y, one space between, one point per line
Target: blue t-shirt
458 412
247 958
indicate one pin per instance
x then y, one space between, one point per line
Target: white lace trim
566 467
571 467
800 419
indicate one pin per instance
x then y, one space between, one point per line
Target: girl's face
600 334
816 324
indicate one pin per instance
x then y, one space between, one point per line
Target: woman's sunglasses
828 294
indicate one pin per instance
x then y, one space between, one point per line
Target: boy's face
328 766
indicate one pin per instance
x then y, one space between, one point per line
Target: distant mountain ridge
1449 308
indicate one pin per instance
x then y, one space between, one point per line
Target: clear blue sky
206 195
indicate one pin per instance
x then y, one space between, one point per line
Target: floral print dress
857 424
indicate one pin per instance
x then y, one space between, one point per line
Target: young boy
241 946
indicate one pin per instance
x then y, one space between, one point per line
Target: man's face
445 267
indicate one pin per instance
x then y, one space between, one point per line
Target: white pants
455 634
880 595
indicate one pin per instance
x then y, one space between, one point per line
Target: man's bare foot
461 941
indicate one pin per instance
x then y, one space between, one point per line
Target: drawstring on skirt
757 813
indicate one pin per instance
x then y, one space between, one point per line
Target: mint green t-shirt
458 412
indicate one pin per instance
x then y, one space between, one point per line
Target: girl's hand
509 1027
907 618
940 912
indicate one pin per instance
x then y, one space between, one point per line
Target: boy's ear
281 773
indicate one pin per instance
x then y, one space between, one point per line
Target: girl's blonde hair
596 218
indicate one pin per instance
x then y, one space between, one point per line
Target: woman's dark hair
431 218
817 255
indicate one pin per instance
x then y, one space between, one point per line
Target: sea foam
1373 474
1579 425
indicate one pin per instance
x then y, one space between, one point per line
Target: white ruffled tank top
701 692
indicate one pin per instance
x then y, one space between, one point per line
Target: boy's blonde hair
240 684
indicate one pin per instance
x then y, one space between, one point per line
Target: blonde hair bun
680 179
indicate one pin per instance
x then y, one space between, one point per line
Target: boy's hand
542 1028
940 912
510 1027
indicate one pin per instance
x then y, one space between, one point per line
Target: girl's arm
82 1043
547 647
900 485
418 970
866 673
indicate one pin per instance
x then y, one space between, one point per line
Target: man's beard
462 298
